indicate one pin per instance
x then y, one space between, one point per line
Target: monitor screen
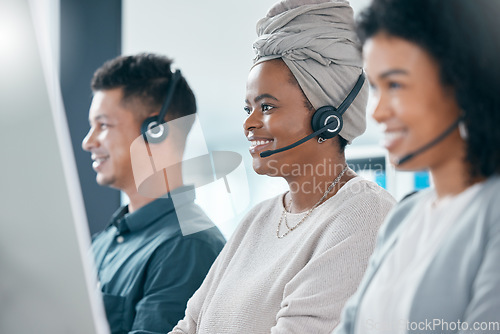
47 284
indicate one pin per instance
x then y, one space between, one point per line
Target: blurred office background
211 42
49 200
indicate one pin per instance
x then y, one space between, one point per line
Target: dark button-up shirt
148 264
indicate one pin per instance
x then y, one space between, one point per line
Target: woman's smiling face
412 103
277 117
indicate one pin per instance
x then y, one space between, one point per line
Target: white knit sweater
298 284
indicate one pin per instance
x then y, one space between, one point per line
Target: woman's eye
394 85
103 126
266 107
247 110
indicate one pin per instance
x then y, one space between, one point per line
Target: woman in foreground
295 259
434 69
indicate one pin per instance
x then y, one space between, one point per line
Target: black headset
326 122
153 129
331 117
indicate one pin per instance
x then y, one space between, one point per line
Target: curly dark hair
463 37
144 77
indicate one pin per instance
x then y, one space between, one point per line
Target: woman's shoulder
364 194
362 186
260 213
485 202
490 192
356 211
401 210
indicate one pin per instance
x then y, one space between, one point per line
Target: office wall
90 34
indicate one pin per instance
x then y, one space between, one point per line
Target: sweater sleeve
314 298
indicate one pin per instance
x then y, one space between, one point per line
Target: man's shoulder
209 238
205 243
103 236
194 224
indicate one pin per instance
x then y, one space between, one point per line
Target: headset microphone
297 143
430 144
326 122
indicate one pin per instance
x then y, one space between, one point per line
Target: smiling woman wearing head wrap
317 42
295 259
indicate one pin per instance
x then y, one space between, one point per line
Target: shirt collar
151 212
118 221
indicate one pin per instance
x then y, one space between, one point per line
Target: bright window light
11 31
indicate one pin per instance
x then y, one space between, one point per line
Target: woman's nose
381 110
253 121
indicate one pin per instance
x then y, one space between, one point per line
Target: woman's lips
393 138
259 145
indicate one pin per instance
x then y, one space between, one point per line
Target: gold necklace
283 215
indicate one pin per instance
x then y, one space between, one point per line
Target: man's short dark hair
144 78
463 37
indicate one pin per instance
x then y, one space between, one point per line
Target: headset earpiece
326 122
327 116
152 131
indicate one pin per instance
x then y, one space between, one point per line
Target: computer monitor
47 284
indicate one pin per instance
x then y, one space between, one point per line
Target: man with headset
148 266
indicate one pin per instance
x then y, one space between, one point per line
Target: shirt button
120 239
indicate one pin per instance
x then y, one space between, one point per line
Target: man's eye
247 110
103 126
